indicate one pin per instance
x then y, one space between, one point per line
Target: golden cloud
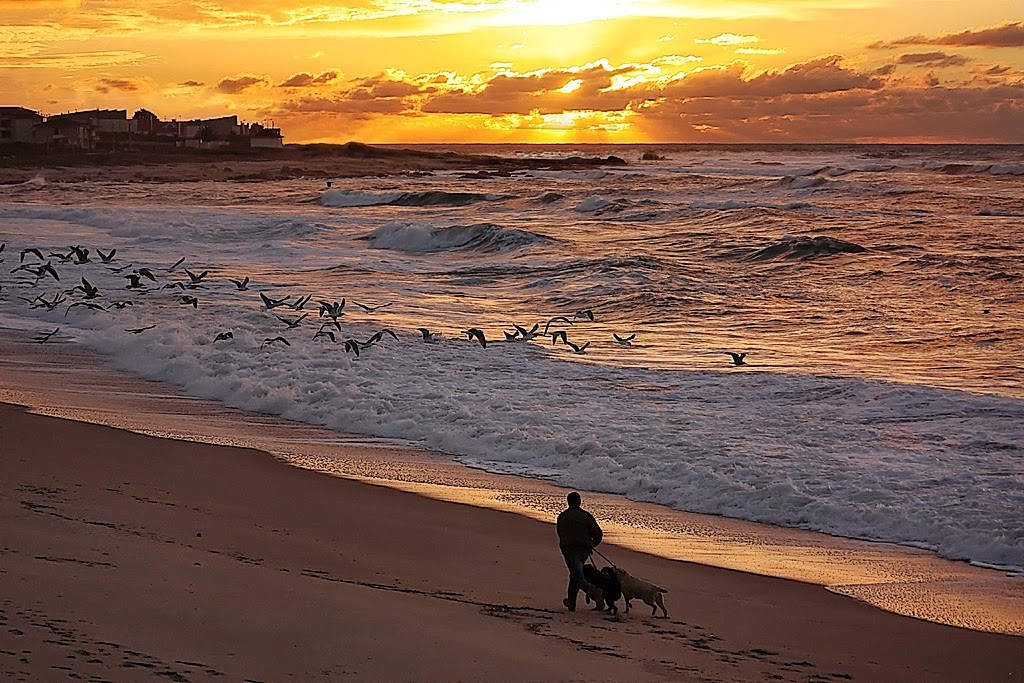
1007 34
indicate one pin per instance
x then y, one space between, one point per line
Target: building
16 124
259 136
58 132
112 130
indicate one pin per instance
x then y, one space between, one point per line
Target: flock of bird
37 268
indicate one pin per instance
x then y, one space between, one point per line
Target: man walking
578 535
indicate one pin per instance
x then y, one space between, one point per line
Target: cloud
107 85
822 75
1008 34
305 80
192 84
728 39
233 86
71 60
932 59
908 113
824 99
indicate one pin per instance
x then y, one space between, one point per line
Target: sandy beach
128 557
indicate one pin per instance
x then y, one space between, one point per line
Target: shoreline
894 578
126 553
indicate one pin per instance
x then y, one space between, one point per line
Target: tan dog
633 587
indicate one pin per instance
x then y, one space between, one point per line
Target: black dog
606 580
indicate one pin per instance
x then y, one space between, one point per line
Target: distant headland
104 144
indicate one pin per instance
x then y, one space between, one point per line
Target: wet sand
127 556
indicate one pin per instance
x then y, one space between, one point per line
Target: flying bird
300 302
557 319
87 289
737 358
377 337
325 333
371 309
588 314
223 336
625 341
140 330
272 303
146 273
478 334
106 258
176 264
31 250
81 255
195 280
527 334
428 336
188 301
333 309
578 349
88 304
292 324
43 337
560 334
242 284
352 346
268 341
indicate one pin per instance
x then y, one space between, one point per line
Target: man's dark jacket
577 530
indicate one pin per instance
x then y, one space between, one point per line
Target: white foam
913 464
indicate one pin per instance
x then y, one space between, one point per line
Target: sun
561 12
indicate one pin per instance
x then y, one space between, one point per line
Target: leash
603 557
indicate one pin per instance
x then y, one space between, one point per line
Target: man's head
574 500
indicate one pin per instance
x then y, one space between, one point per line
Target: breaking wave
802 247
484 237
350 198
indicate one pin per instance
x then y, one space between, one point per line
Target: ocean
876 291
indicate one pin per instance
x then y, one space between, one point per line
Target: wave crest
349 198
482 237
802 247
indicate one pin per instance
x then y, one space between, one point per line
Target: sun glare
561 12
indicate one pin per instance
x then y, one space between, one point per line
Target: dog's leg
661 604
626 600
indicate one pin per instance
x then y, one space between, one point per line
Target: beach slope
127 557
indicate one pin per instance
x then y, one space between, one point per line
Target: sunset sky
534 70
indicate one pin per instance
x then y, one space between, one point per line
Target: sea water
877 293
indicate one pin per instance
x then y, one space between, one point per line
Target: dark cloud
822 75
932 59
973 114
821 100
305 80
343 104
106 85
1009 34
233 86
192 84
